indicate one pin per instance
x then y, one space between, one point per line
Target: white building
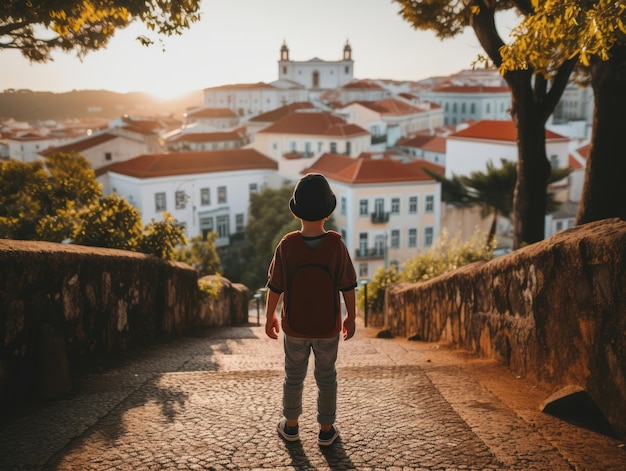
298 138
27 146
204 191
470 149
387 211
316 74
104 148
464 103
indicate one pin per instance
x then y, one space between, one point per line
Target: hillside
26 105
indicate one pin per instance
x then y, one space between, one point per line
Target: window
254 188
363 242
320 146
488 108
181 199
206 226
221 194
559 226
363 270
428 236
205 196
292 146
462 107
239 222
108 156
348 148
473 108
363 208
395 205
395 239
430 204
333 147
222 226
412 238
554 161
159 202
454 107
344 205
412 204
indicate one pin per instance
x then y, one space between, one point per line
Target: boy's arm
271 321
349 325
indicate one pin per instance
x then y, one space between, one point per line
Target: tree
533 98
59 199
594 34
201 254
492 191
38 27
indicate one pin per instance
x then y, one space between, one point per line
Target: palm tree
492 190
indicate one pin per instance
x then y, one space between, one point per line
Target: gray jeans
297 352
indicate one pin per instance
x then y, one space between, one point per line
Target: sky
238 41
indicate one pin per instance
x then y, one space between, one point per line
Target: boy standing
312 246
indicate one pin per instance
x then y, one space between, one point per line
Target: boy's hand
271 327
348 328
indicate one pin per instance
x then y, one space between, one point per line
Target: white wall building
28 146
387 211
204 191
297 139
316 74
464 103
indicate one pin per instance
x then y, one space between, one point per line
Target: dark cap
312 198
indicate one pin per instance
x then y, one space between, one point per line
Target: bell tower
284 52
347 51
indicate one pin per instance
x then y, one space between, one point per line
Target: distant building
387 211
461 102
298 138
204 191
316 74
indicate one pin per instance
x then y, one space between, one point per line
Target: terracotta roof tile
275 115
471 89
211 113
496 130
314 123
186 163
365 170
83 144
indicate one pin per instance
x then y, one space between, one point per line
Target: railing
380 217
379 139
376 252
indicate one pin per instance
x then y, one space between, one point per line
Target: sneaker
327 438
290 434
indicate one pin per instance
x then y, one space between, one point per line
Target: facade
199 141
472 148
104 148
387 211
462 103
27 147
299 138
247 100
204 191
391 119
218 118
425 146
316 74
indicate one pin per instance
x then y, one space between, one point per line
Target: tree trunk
604 190
533 167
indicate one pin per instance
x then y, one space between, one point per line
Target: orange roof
584 150
362 84
275 115
573 163
208 137
212 113
471 89
314 123
83 144
425 142
185 163
366 170
496 130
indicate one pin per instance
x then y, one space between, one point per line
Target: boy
312 203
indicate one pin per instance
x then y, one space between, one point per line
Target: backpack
312 296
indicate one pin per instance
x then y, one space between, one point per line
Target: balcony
380 217
380 139
371 253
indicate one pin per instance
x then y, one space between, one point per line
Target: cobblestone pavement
212 402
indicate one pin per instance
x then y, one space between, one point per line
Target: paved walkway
213 401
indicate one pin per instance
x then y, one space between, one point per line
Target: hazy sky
238 41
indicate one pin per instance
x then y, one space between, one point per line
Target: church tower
317 74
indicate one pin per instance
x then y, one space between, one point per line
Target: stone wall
554 311
63 305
